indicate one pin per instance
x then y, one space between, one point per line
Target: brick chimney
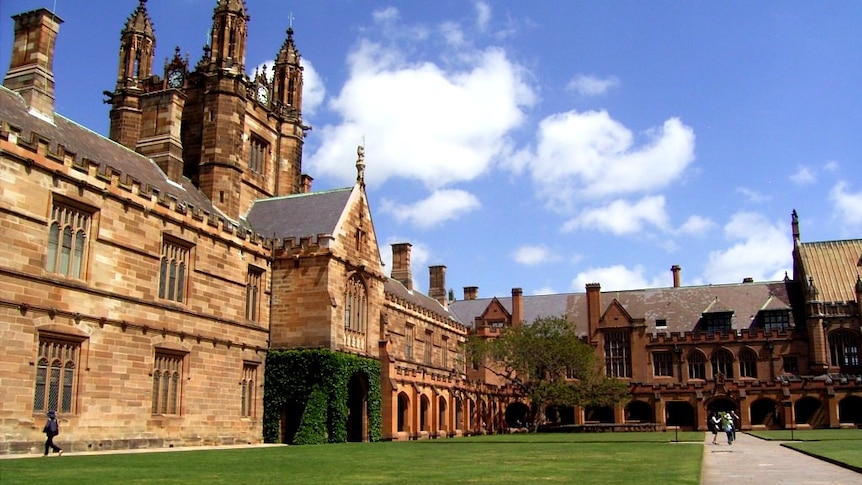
675 270
437 287
305 183
401 264
594 308
471 292
517 306
31 67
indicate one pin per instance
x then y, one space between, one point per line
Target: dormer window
718 322
775 320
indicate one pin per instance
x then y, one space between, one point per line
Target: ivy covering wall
314 383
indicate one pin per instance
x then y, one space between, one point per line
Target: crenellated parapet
418 311
293 247
154 198
746 335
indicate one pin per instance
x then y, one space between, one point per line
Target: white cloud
752 195
696 226
591 155
483 16
847 205
588 85
622 217
313 90
545 290
761 250
531 255
388 14
831 166
435 125
617 277
803 176
440 206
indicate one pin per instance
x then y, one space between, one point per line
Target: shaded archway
459 414
471 415
291 416
599 414
357 415
765 412
424 413
517 415
639 412
403 412
850 410
560 415
442 422
680 413
809 410
722 404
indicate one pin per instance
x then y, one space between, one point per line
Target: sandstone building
145 278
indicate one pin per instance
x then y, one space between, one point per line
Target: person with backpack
52 429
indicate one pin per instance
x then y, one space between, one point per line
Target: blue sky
546 144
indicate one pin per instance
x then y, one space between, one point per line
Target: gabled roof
716 306
86 144
299 215
680 307
834 267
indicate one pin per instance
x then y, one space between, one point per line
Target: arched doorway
441 415
850 410
680 413
560 415
403 412
459 414
517 415
599 414
765 412
722 404
639 412
424 413
809 410
357 416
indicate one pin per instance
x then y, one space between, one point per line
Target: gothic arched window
722 363
355 312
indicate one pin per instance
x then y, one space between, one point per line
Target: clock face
175 79
262 94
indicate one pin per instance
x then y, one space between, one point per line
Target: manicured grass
809 434
601 458
843 446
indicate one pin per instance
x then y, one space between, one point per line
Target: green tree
548 364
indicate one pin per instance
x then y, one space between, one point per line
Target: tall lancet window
355 313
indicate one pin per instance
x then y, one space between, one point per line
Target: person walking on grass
52 429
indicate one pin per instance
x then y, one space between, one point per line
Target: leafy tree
548 364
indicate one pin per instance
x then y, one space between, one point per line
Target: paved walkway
761 462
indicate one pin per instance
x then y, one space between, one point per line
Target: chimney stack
305 183
594 308
401 264
471 292
31 67
437 287
675 270
517 306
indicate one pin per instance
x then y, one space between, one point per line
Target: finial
360 164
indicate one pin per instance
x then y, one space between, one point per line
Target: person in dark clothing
52 429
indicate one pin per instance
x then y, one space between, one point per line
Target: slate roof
417 298
680 307
834 267
87 144
298 215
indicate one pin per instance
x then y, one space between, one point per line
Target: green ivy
316 382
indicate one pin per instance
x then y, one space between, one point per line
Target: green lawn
837 445
602 458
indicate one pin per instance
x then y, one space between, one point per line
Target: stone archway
599 414
850 410
639 412
766 412
357 408
680 413
722 404
809 410
517 415
424 413
403 412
